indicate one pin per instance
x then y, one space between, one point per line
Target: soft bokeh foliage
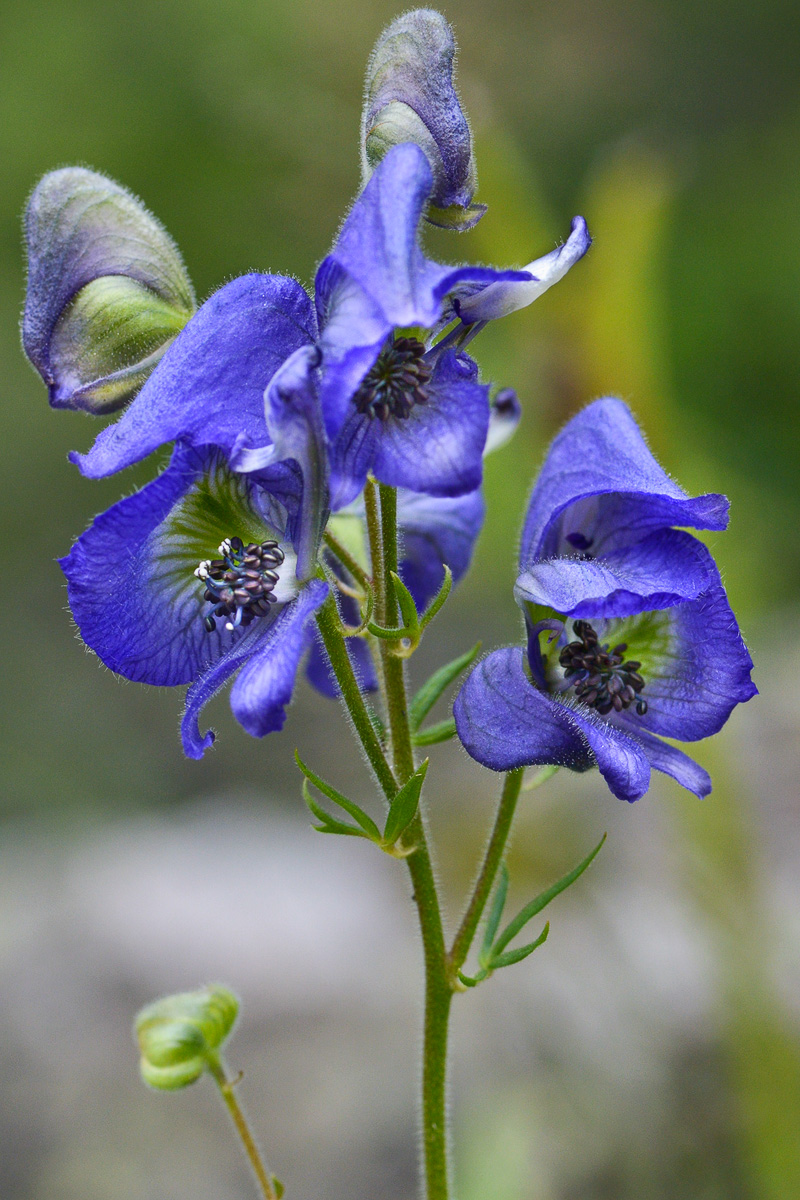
675 129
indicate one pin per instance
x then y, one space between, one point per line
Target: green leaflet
366 826
404 807
437 684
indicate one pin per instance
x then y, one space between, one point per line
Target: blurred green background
660 1056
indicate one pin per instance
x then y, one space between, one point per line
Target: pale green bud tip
179 1035
107 290
410 97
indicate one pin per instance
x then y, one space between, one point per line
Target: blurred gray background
650 1050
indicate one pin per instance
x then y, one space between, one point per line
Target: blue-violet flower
206 572
630 634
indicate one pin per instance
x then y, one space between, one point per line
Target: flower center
601 677
395 382
240 583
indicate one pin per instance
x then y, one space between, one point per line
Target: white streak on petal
500 299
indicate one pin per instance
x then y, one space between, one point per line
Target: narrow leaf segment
438 683
493 954
442 731
367 827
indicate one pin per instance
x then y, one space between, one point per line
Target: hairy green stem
438 998
372 506
328 624
217 1070
347 560
438 993
388 497
491 864
394 668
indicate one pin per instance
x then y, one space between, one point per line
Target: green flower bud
410 97
107 290
180 1035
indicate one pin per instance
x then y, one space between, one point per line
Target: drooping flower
630 634
206 572
107 290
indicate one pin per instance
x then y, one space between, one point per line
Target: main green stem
441 968
438 992
438 998
330 631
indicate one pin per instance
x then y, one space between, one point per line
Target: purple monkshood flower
195 578
192 579
206 572
630 634
394 402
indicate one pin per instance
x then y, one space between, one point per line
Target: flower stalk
493 857
330 630
269 1187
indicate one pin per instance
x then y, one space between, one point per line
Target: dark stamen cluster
601 677
396 382
240 583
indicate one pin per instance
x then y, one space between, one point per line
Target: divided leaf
328 823
543 899
493 954
368 828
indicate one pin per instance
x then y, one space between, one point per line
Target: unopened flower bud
410 97
107 290
179 1035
